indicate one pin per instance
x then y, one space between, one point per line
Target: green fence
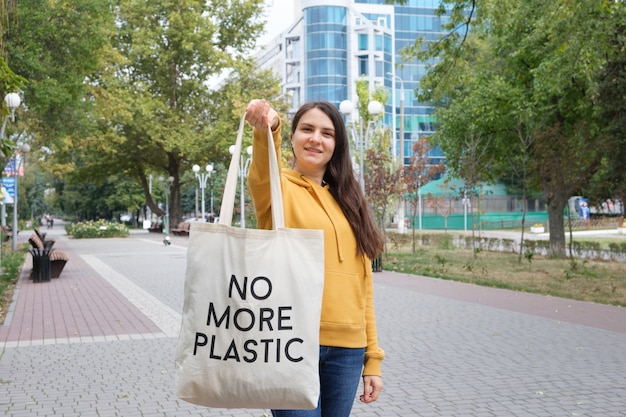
487 221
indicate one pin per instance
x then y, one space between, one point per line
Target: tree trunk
524 211
556 226
175 208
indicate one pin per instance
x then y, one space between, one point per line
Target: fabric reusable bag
249 336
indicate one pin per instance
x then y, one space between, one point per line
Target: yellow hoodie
348 319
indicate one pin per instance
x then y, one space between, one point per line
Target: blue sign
8 190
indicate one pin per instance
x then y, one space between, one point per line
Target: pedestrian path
100 341
78 307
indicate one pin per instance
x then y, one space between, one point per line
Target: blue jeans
340 373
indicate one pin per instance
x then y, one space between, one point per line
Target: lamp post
401 136
148 218
243 171
166 187
401 200
202 179
12 101
16 163
360 140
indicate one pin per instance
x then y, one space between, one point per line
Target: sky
280 16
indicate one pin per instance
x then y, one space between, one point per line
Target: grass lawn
11 266
581 279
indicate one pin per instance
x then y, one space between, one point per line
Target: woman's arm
259 114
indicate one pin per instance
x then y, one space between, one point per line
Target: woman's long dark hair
343 185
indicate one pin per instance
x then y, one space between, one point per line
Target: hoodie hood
321 193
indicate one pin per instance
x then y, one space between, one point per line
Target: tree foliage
122 91
418 173
520 82
9 81
382 184
381 175
56 46
158 111
610 181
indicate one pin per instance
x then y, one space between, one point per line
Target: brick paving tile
78 304
86 344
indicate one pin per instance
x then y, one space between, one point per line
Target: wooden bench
8 234
42 250
37 243
182 229
42 237
156 227
58 260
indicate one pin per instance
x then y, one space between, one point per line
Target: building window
363 42
378 40
291 74
328 14
380 70
363 61
292 50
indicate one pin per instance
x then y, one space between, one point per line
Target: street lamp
166 187
202 179
401 201
12 101
374 108
16 165
243 171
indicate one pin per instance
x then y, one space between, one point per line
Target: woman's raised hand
259 114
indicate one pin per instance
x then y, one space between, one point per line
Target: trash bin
41 265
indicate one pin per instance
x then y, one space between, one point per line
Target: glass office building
333 43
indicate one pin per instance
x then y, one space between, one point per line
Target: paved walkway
100 341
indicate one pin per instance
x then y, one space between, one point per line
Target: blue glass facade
326 54
334 43
415 19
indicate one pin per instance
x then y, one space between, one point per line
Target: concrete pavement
100 341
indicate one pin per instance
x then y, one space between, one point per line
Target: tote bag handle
230 189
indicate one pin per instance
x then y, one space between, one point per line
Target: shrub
12 263
444 241
96 229
508 245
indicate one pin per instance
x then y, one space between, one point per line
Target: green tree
610 181
528 62
381 175
418 173
56 46
9 81
382 183
158 113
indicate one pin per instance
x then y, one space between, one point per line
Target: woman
321 192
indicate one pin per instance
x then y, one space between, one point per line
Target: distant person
585 213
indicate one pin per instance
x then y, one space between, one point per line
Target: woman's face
313 143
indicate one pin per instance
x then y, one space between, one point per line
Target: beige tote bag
250 324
